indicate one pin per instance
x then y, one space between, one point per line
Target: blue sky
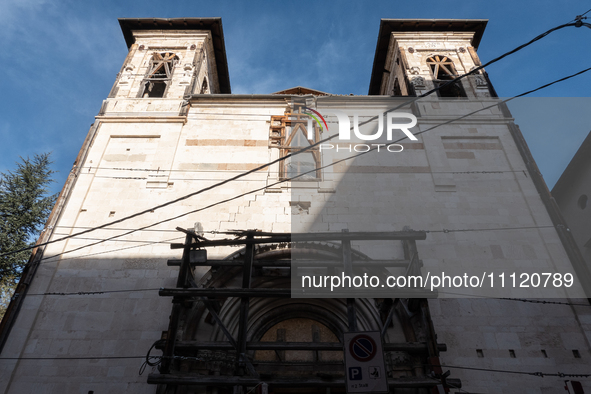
60 59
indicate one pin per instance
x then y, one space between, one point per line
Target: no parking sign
364 363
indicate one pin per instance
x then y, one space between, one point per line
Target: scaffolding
175 377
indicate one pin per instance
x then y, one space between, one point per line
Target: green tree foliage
24 208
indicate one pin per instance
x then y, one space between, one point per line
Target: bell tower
415 56
172 58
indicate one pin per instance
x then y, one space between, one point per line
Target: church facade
211 204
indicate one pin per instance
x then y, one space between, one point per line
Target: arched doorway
291 345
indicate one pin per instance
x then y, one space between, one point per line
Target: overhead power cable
544 302
466 296
121 229
533 301
116 240
582 16
219 202
227 171
464 230
50 258
110 250
261 167
446 383
74 358
98 292
101 358
539 374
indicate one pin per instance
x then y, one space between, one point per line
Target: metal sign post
365 369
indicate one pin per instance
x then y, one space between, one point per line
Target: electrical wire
460 230
74 358
544 302
334 172
149 358
580 17
174 201
221 232
538 374
219 202
254 388
85 293
107 251
121 229
100 358
116 240
440 380
468 296
271 172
